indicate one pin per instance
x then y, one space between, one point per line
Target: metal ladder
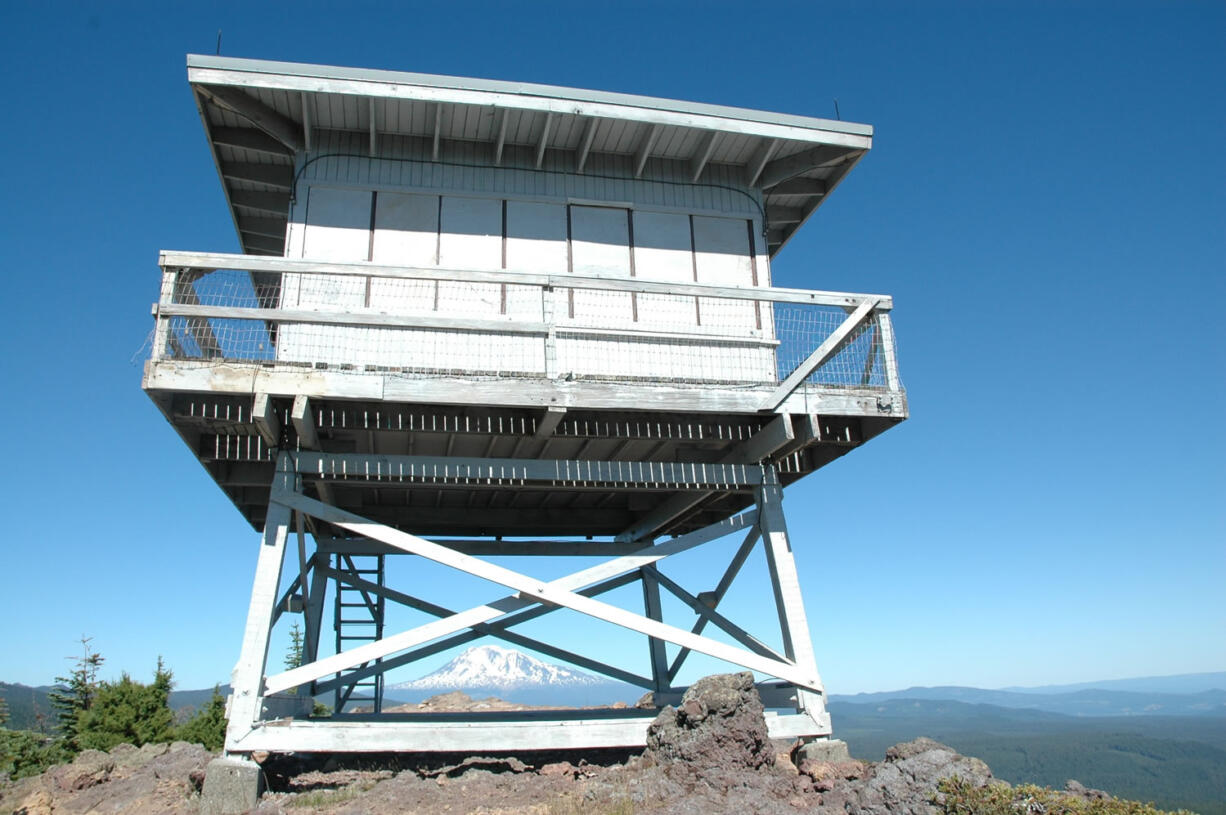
358 619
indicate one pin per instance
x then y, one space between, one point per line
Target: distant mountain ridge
1086 702
491 670
1176 683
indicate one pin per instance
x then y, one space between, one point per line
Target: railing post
549 296
161 328
888 354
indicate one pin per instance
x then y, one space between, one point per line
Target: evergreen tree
208 726
74 694
4 712
294 656
128 711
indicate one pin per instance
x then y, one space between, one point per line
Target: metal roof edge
310 71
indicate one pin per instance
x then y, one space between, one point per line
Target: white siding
425 214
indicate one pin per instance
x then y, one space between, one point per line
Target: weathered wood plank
829 347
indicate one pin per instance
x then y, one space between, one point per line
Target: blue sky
1044 200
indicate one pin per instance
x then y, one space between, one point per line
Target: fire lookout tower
476 319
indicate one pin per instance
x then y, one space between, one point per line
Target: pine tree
129 711
75 693
208 726
4 712
294 655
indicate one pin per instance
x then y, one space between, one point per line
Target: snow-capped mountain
490 670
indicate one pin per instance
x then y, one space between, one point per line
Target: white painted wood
653 610
725 582
722 258
496 630
549 99
828 348
703 155
543 141
265 419
360 466
793 622
304 423
548 592
536 239
478 734
241 378
470 237
600 245
245 681
663 253
585 143
527 275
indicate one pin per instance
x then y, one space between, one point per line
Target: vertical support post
161 330
247 680
653 610
793 624
549 296
315 605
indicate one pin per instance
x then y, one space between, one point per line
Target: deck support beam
289 511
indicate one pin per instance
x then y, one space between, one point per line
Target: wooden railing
441 321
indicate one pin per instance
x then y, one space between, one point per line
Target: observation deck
428 392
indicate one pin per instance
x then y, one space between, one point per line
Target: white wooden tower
477 318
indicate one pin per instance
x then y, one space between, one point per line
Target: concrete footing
832 750
232 786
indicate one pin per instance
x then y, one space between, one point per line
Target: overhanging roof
259 114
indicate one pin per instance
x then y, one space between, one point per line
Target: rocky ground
710 755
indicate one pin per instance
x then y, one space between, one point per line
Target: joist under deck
234 438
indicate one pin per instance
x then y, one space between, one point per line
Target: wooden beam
307 101
438 128
263 243
264 416
465 637
250 138
484 547
544 140
754 449
799 186
272 203
644 150
782 169
454 469
784 215
725 582
216 260
481 734
501 140
829 347
354 318
549 422
585 143
373 145
268 227
274 175
281 128
304 423
702 610
496 630
545 592
705 148
755 166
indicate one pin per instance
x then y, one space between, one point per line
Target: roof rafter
282 129
754 169
705 148
799 186
273 203
274 175
268 227
782 169
544 140
249 138
644 151
585 143
501 141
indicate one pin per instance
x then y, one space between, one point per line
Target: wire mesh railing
449 322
